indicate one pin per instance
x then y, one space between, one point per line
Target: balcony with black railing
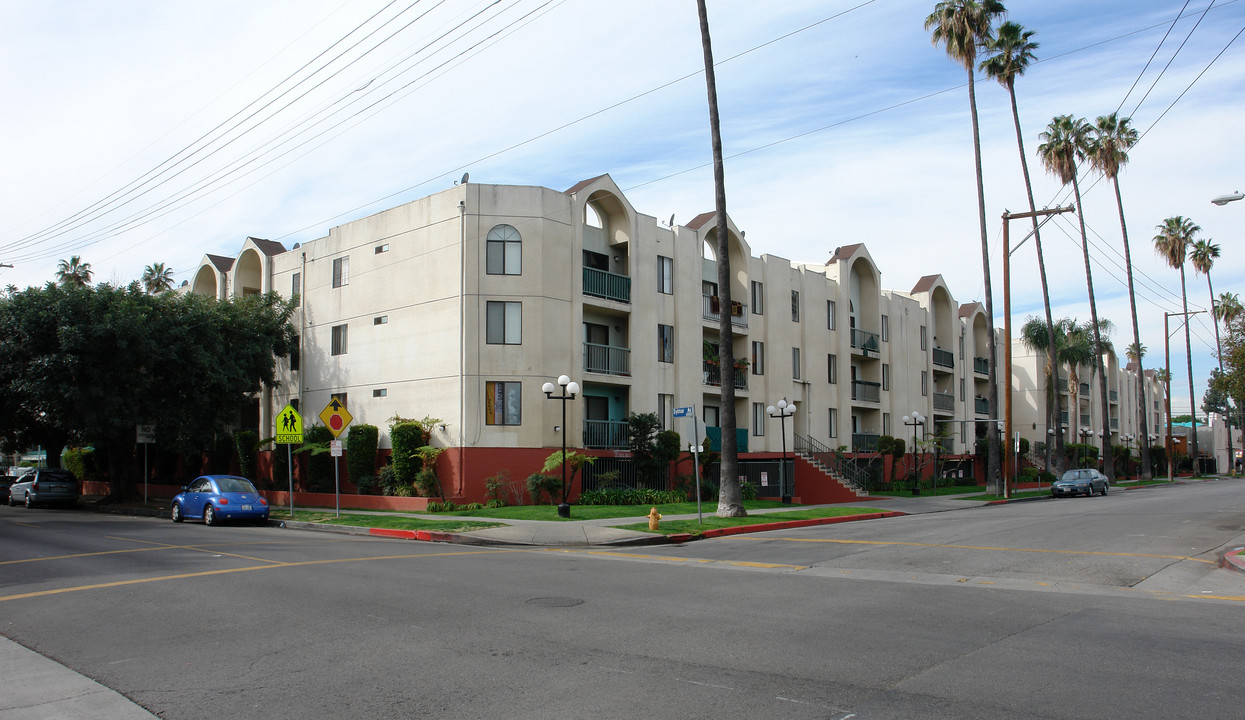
605 434
944 401
712 310
944 358
865 442
865 342
712 374
1114 395
608 285
981 365
981 406
866 391
607 359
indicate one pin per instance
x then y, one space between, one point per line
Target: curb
766 527
1233 559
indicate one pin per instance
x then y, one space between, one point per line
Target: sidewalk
36 688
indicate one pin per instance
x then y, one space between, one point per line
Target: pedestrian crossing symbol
289 427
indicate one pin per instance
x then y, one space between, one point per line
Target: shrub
389 484
1046 477
494 484
319 462
426 484
80 462
1028 474
1024 446
541 486
631 496
473 506
748 491
407 439
247 447
279 478
495 503
361 446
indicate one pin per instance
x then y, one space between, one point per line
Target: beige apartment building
461 305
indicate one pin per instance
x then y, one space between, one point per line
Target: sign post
289 432
145 435
335 417
695 448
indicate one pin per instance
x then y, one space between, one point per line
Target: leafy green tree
1051 337
964 28
87 364
652 449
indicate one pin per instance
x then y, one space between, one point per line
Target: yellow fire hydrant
653 517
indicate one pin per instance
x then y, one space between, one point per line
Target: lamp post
1128 445
569 390
782 412
914 421
1085 434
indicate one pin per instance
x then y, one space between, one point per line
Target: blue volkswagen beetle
220 497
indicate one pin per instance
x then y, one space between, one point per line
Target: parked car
6 482
45 486
220 497
1082 481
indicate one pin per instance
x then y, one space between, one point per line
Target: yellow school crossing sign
335 417
289 427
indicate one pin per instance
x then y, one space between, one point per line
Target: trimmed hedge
361 446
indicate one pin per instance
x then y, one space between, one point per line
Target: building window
382 248
961 389
758 419
886 328
961 347
341 271
380 392
503 251
832 369
296 288
338 346
665 343
924 339
795 306
503 323
503 403
758 358
380 320
665 409
924 382
758 298
296 353
795 363
665 275
832 322
886 423
834 422
886 376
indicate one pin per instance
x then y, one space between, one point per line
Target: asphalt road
1078 608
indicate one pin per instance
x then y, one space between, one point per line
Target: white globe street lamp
569 390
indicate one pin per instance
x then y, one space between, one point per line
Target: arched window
504 254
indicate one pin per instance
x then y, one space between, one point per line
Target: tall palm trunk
1108 464
1052 414
1219 354
1188 351
1143 425
730 495
992 435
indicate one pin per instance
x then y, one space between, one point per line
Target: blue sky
841 122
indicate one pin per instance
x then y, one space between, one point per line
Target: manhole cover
555 602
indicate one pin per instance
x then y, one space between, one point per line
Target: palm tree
1113 136
1063 146
157 278
1036 335
1172 243
730 494
1013 48
73 272
1202 256
1227 310
964 26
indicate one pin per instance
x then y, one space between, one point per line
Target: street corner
1233 559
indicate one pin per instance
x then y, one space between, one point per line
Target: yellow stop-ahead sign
335 417
289 427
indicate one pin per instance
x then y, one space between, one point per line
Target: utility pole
1167 356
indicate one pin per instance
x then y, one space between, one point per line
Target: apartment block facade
461 305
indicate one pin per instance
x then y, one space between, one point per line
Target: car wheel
29 504
177 512
1105 486
209 515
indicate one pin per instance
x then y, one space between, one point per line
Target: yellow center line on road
997 549
208 573
198 548
157 546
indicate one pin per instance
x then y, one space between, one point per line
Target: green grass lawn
392 522
597 512
712 522
928 492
